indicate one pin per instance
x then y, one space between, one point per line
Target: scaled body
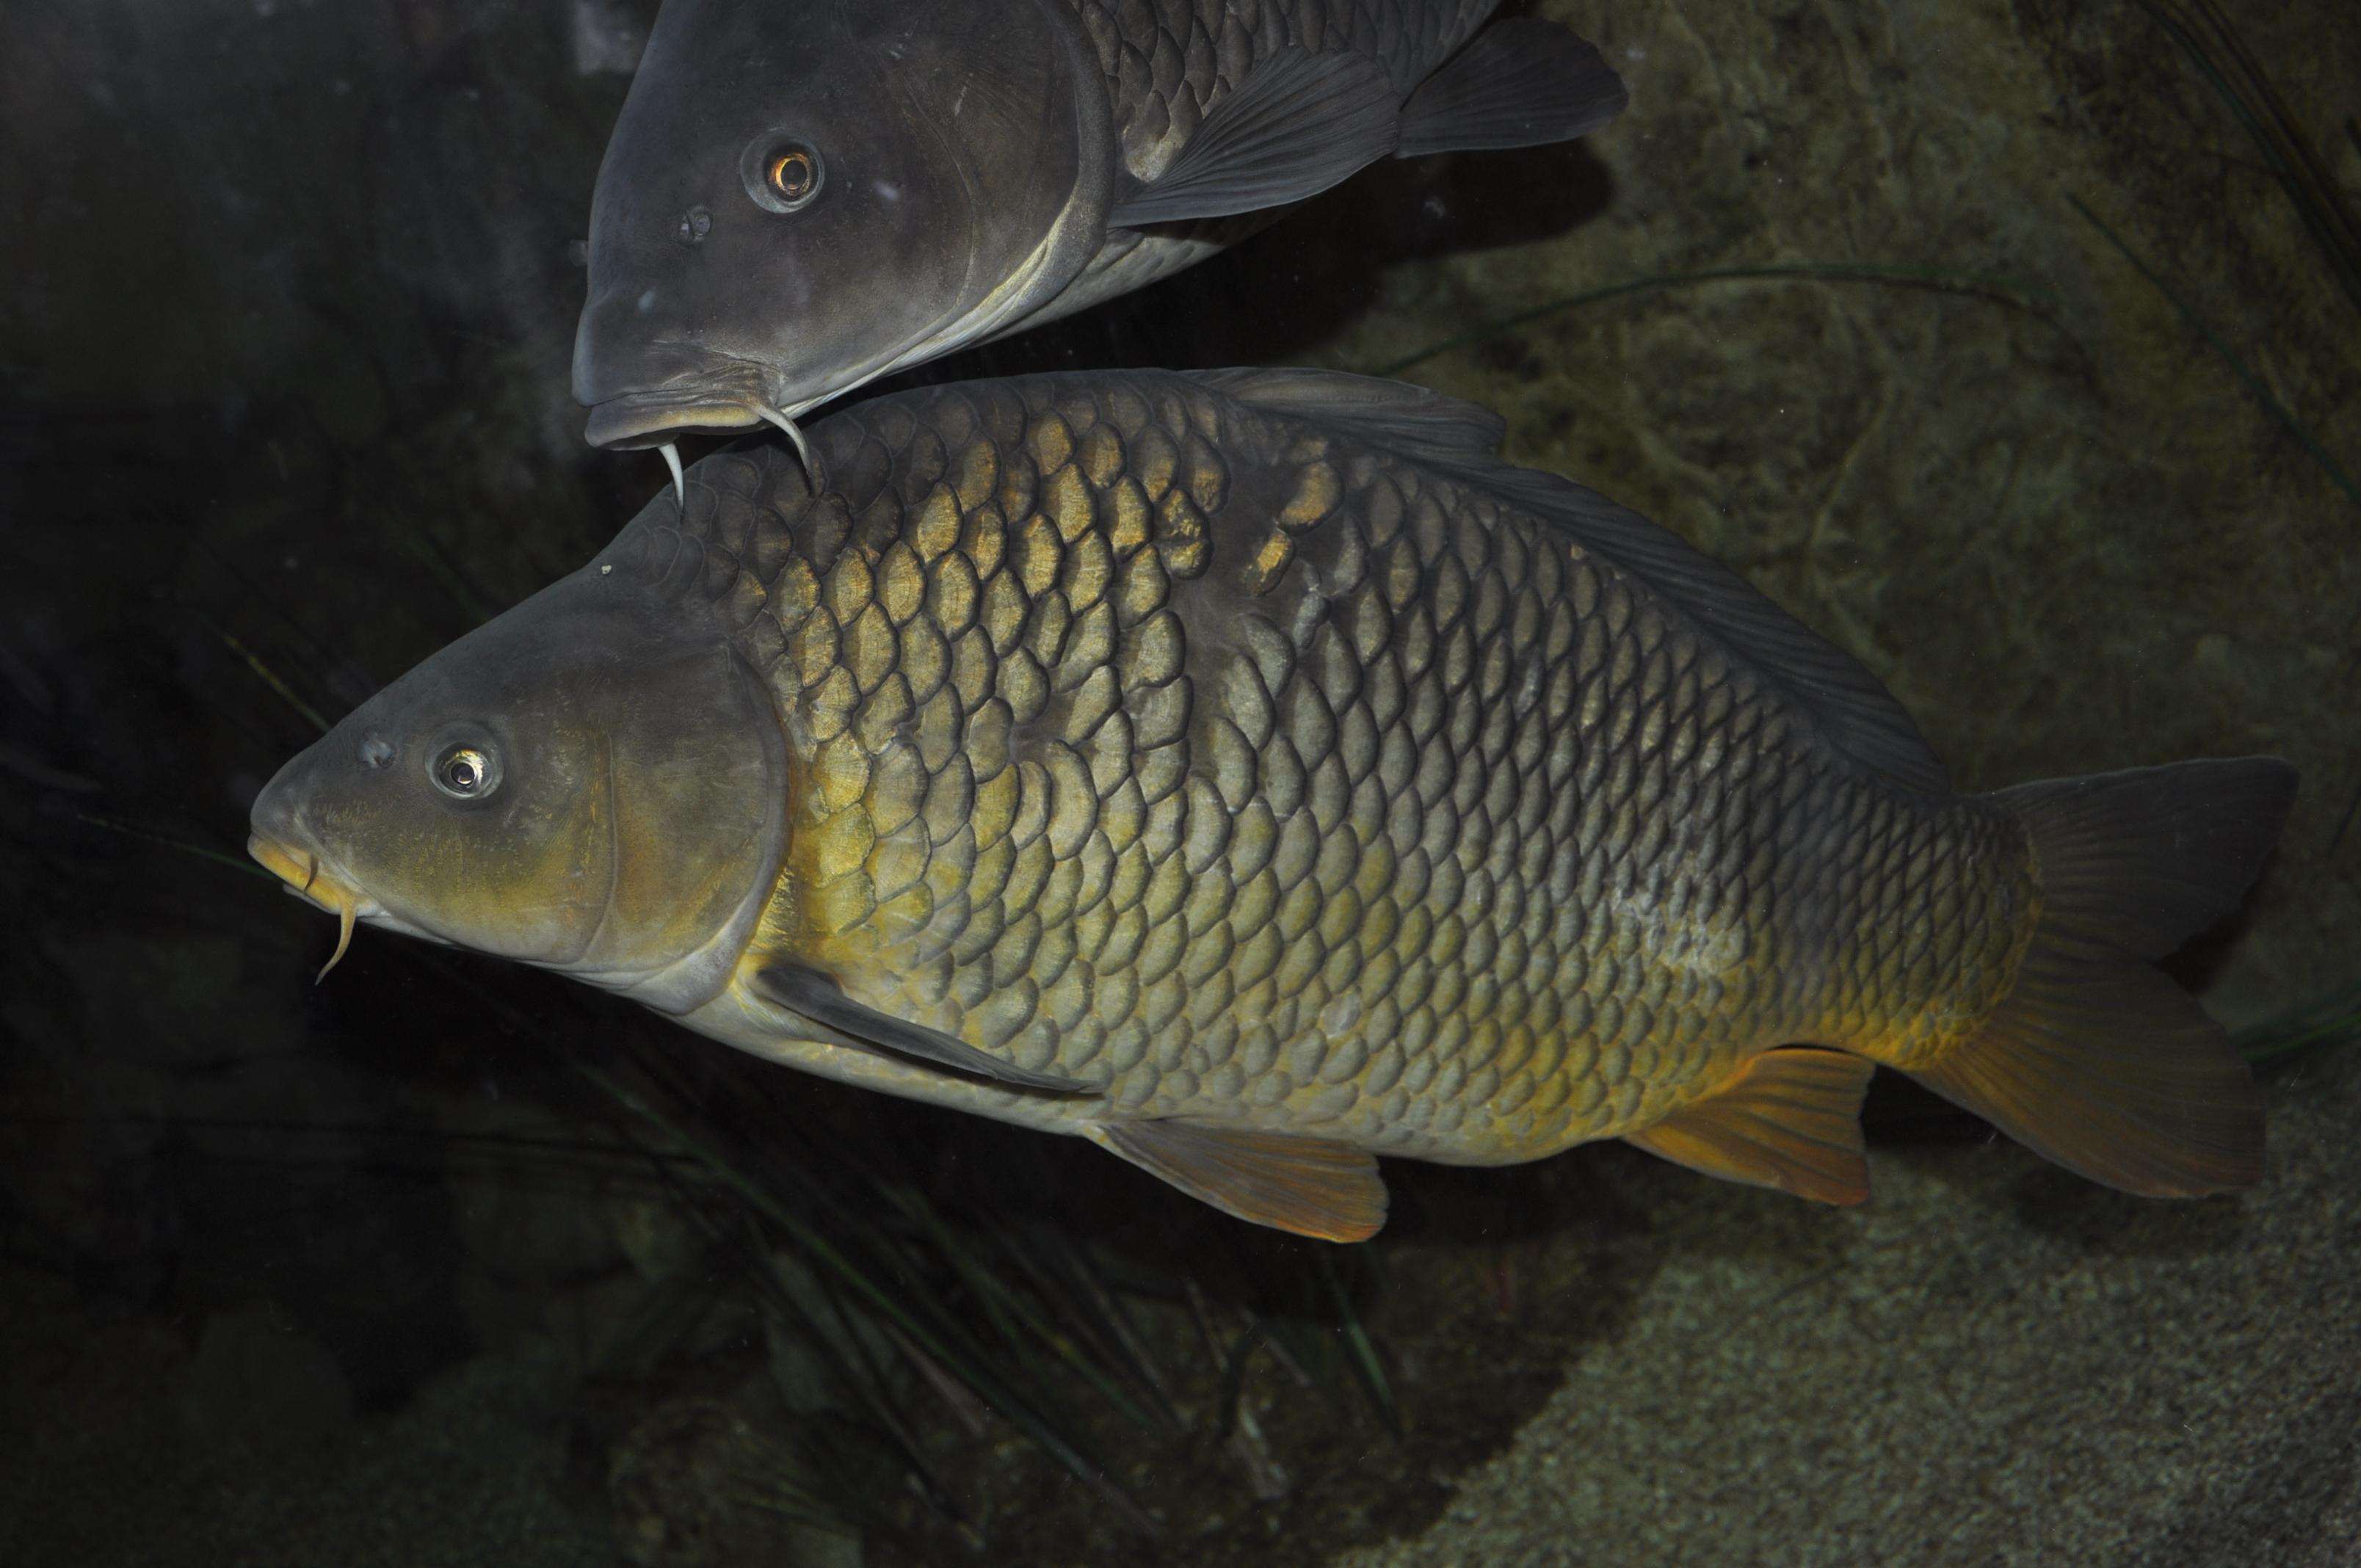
1248 772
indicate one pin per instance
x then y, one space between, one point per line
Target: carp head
593 782
800 197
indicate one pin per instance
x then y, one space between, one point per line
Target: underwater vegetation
375 1271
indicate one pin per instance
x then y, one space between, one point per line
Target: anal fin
1309 1186
1790 1119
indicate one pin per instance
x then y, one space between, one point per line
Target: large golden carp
1249 772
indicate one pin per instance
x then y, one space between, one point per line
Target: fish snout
278 839
298 868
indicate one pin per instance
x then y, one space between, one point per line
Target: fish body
1248 772
801 196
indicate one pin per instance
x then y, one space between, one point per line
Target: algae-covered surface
1982 336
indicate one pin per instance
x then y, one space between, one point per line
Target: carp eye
781 172
466 773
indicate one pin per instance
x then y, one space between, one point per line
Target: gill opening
580 960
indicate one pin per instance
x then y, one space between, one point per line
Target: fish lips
647 399
642 419
306 874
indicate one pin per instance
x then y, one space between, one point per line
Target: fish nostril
694 226
376 752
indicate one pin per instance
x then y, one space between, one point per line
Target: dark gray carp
802 195
1247 772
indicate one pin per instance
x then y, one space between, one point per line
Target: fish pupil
464 772
791 174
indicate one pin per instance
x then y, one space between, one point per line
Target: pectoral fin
1790 1119
820 999
1309 1186
1299 124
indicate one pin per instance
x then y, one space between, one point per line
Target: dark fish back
1168 61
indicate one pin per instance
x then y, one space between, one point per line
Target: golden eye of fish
793 173
465 773
781 172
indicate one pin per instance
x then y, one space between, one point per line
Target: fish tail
2093 1058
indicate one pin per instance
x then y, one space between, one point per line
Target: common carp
1250 773
802 195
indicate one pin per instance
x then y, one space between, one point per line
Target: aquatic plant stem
2234 73
1356 1339
234 862
269 676
1000 1395
2254 383
2021 293
2331 1019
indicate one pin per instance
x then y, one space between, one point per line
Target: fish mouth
675 389
307 879
656 416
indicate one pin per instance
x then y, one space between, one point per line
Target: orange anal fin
1790 1119
1309 1186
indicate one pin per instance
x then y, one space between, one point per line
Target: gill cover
592 782
799 196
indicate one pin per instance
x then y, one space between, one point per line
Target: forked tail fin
2095 1059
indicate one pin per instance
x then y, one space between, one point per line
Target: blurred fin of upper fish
800 197
1248 772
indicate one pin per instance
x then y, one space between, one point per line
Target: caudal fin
2095 1059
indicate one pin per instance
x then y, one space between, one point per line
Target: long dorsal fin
1523 81
1309 1186
1789 1119
1858 715
1298 124
819 999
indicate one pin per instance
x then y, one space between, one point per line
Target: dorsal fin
1459 438
1411 422
1298 124
1519 83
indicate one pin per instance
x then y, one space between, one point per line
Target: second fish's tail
2095 1058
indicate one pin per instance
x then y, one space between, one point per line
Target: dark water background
2039 396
